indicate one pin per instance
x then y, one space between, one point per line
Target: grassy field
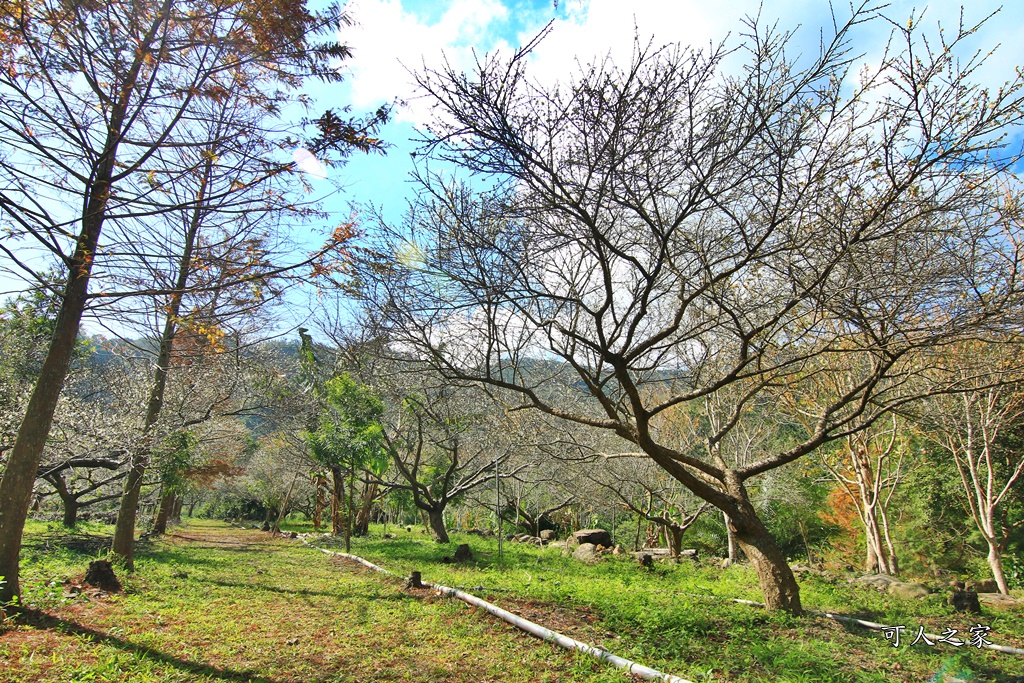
214 603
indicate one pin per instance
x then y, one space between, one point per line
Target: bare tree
650 235
445 441
977 428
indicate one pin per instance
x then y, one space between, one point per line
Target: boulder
688 554
586 552
983 586
548 535
1000 601
965 601
879 582
908 591
594 536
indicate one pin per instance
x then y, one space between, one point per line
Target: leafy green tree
349 438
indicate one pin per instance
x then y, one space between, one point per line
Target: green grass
214 603
679 619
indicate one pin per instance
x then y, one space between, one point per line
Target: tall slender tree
90 95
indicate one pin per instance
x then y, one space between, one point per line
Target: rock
645 561
879 582
479 532
548 535
388 536
908 591
617 550
586 552
688 554
1000 601
594 536
463 553
965 601
957 584
409 528
100 574
983 586
293 534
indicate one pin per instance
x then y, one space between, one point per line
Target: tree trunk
23 463
163 513
337 501
123 545
778 585
675 540
730 539
67 499
179 502
436 517
995 563
362 523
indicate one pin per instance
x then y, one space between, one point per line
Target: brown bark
164 512
337 501
362 523
436 519
67 499
778 584
20 474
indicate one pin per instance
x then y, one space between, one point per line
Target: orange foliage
842 512
208 472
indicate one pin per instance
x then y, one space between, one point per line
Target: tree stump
415 581
463 553
965 601
645 561
100 574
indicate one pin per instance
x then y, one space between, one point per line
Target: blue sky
393 36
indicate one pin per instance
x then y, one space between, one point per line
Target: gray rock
879 582
908 591
595 536
548 535
1000 601
984 586
586 552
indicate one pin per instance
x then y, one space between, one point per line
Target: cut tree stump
965 601
415 581
100 574
463 553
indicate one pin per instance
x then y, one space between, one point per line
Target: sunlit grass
214 603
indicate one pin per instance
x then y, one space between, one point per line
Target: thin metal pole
497 501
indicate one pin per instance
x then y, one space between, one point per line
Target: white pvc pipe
640 670
568 643
1006 649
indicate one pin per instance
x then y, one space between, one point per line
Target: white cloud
389 40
